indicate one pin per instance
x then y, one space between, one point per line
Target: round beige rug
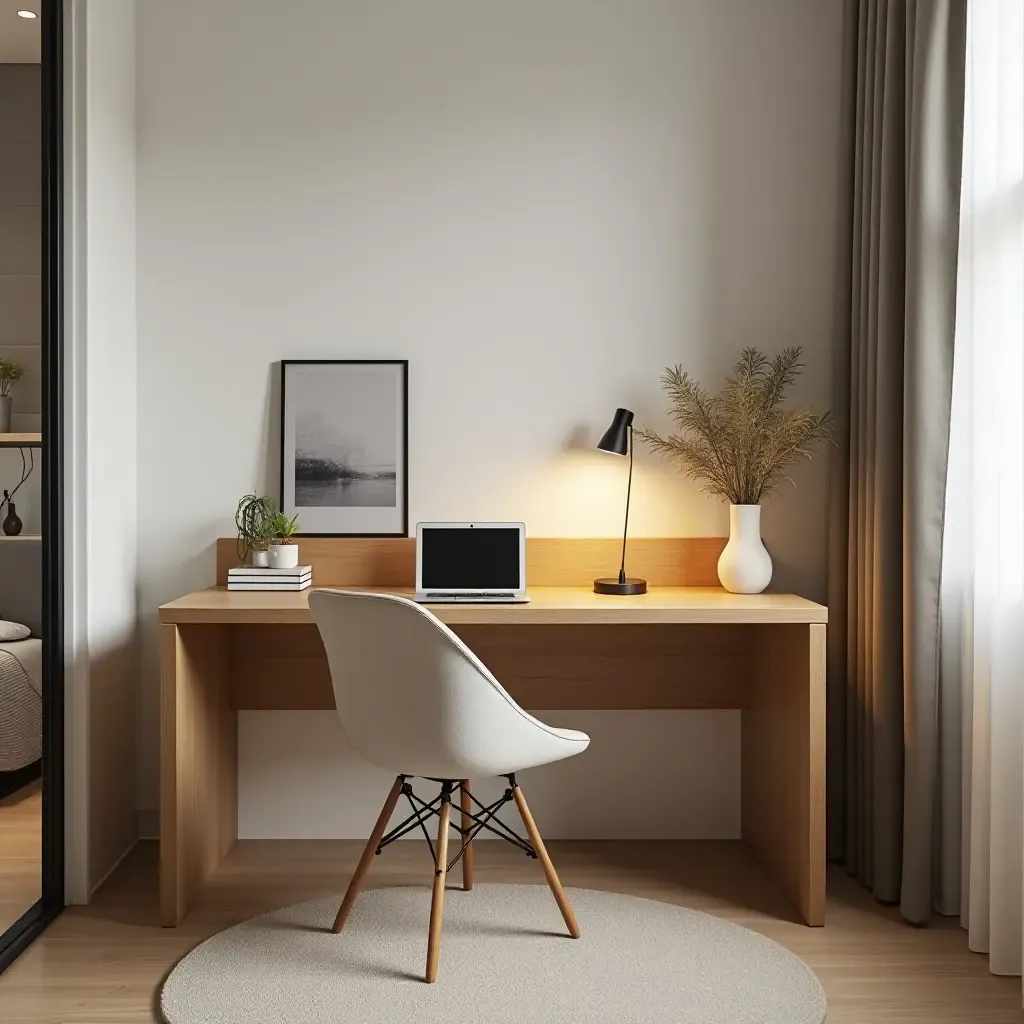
505 959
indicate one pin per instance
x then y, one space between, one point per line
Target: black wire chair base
483 818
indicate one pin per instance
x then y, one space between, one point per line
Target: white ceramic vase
283 556
259 558
745 567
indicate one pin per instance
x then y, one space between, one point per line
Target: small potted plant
10 372
739 445
283 551
254 519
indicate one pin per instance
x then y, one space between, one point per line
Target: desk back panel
545 668
550 562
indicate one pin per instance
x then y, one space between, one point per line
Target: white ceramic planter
259 558
745 567
283 556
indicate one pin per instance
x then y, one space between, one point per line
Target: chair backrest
412 697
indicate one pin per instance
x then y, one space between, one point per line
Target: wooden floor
21 853
103 964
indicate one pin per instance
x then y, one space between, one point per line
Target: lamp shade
616 437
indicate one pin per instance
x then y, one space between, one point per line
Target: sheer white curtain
983 570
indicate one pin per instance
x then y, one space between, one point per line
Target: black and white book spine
293 587
271 579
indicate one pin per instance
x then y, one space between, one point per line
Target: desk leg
783 775
198 763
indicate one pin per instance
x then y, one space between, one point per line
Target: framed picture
344 446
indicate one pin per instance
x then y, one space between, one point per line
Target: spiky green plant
739 444
284 529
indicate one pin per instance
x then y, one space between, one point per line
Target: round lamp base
611 585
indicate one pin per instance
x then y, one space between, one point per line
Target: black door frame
37 917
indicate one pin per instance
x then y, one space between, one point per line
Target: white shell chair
414 699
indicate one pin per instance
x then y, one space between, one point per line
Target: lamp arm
625 525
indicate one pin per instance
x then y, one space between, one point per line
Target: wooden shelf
21 440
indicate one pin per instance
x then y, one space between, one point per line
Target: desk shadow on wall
113 726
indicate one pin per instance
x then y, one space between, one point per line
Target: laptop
471 563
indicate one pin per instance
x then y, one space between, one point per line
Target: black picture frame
401 528
51 902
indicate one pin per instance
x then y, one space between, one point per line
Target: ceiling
19 37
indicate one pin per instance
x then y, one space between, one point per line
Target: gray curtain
904 104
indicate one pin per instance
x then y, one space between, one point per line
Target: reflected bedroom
21 632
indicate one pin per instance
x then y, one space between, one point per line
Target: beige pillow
11 631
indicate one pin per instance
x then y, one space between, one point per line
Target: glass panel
21 582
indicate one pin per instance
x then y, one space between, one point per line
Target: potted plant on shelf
739 445
11 371
284 552
254 519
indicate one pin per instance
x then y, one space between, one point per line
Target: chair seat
415 700
546 745
574 736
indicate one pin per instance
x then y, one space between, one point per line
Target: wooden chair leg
467 847
437 898
368 854
545 862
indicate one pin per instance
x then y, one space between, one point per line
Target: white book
305 578
270 586
265 570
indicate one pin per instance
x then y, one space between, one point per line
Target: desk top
548 606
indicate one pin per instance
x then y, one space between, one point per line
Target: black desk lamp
618 440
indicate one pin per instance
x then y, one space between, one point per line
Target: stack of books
259 577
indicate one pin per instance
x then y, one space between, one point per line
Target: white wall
539 203
102 615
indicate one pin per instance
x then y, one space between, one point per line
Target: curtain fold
983 566
904 97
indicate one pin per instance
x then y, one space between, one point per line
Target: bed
21 663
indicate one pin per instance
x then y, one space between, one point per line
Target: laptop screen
466 558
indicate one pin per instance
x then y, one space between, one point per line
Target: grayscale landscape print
346 438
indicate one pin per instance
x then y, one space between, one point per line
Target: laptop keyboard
483 596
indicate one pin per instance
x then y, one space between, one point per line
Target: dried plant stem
739 444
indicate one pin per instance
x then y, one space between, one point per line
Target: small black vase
13 523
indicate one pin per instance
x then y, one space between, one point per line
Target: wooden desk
549 606
675 647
